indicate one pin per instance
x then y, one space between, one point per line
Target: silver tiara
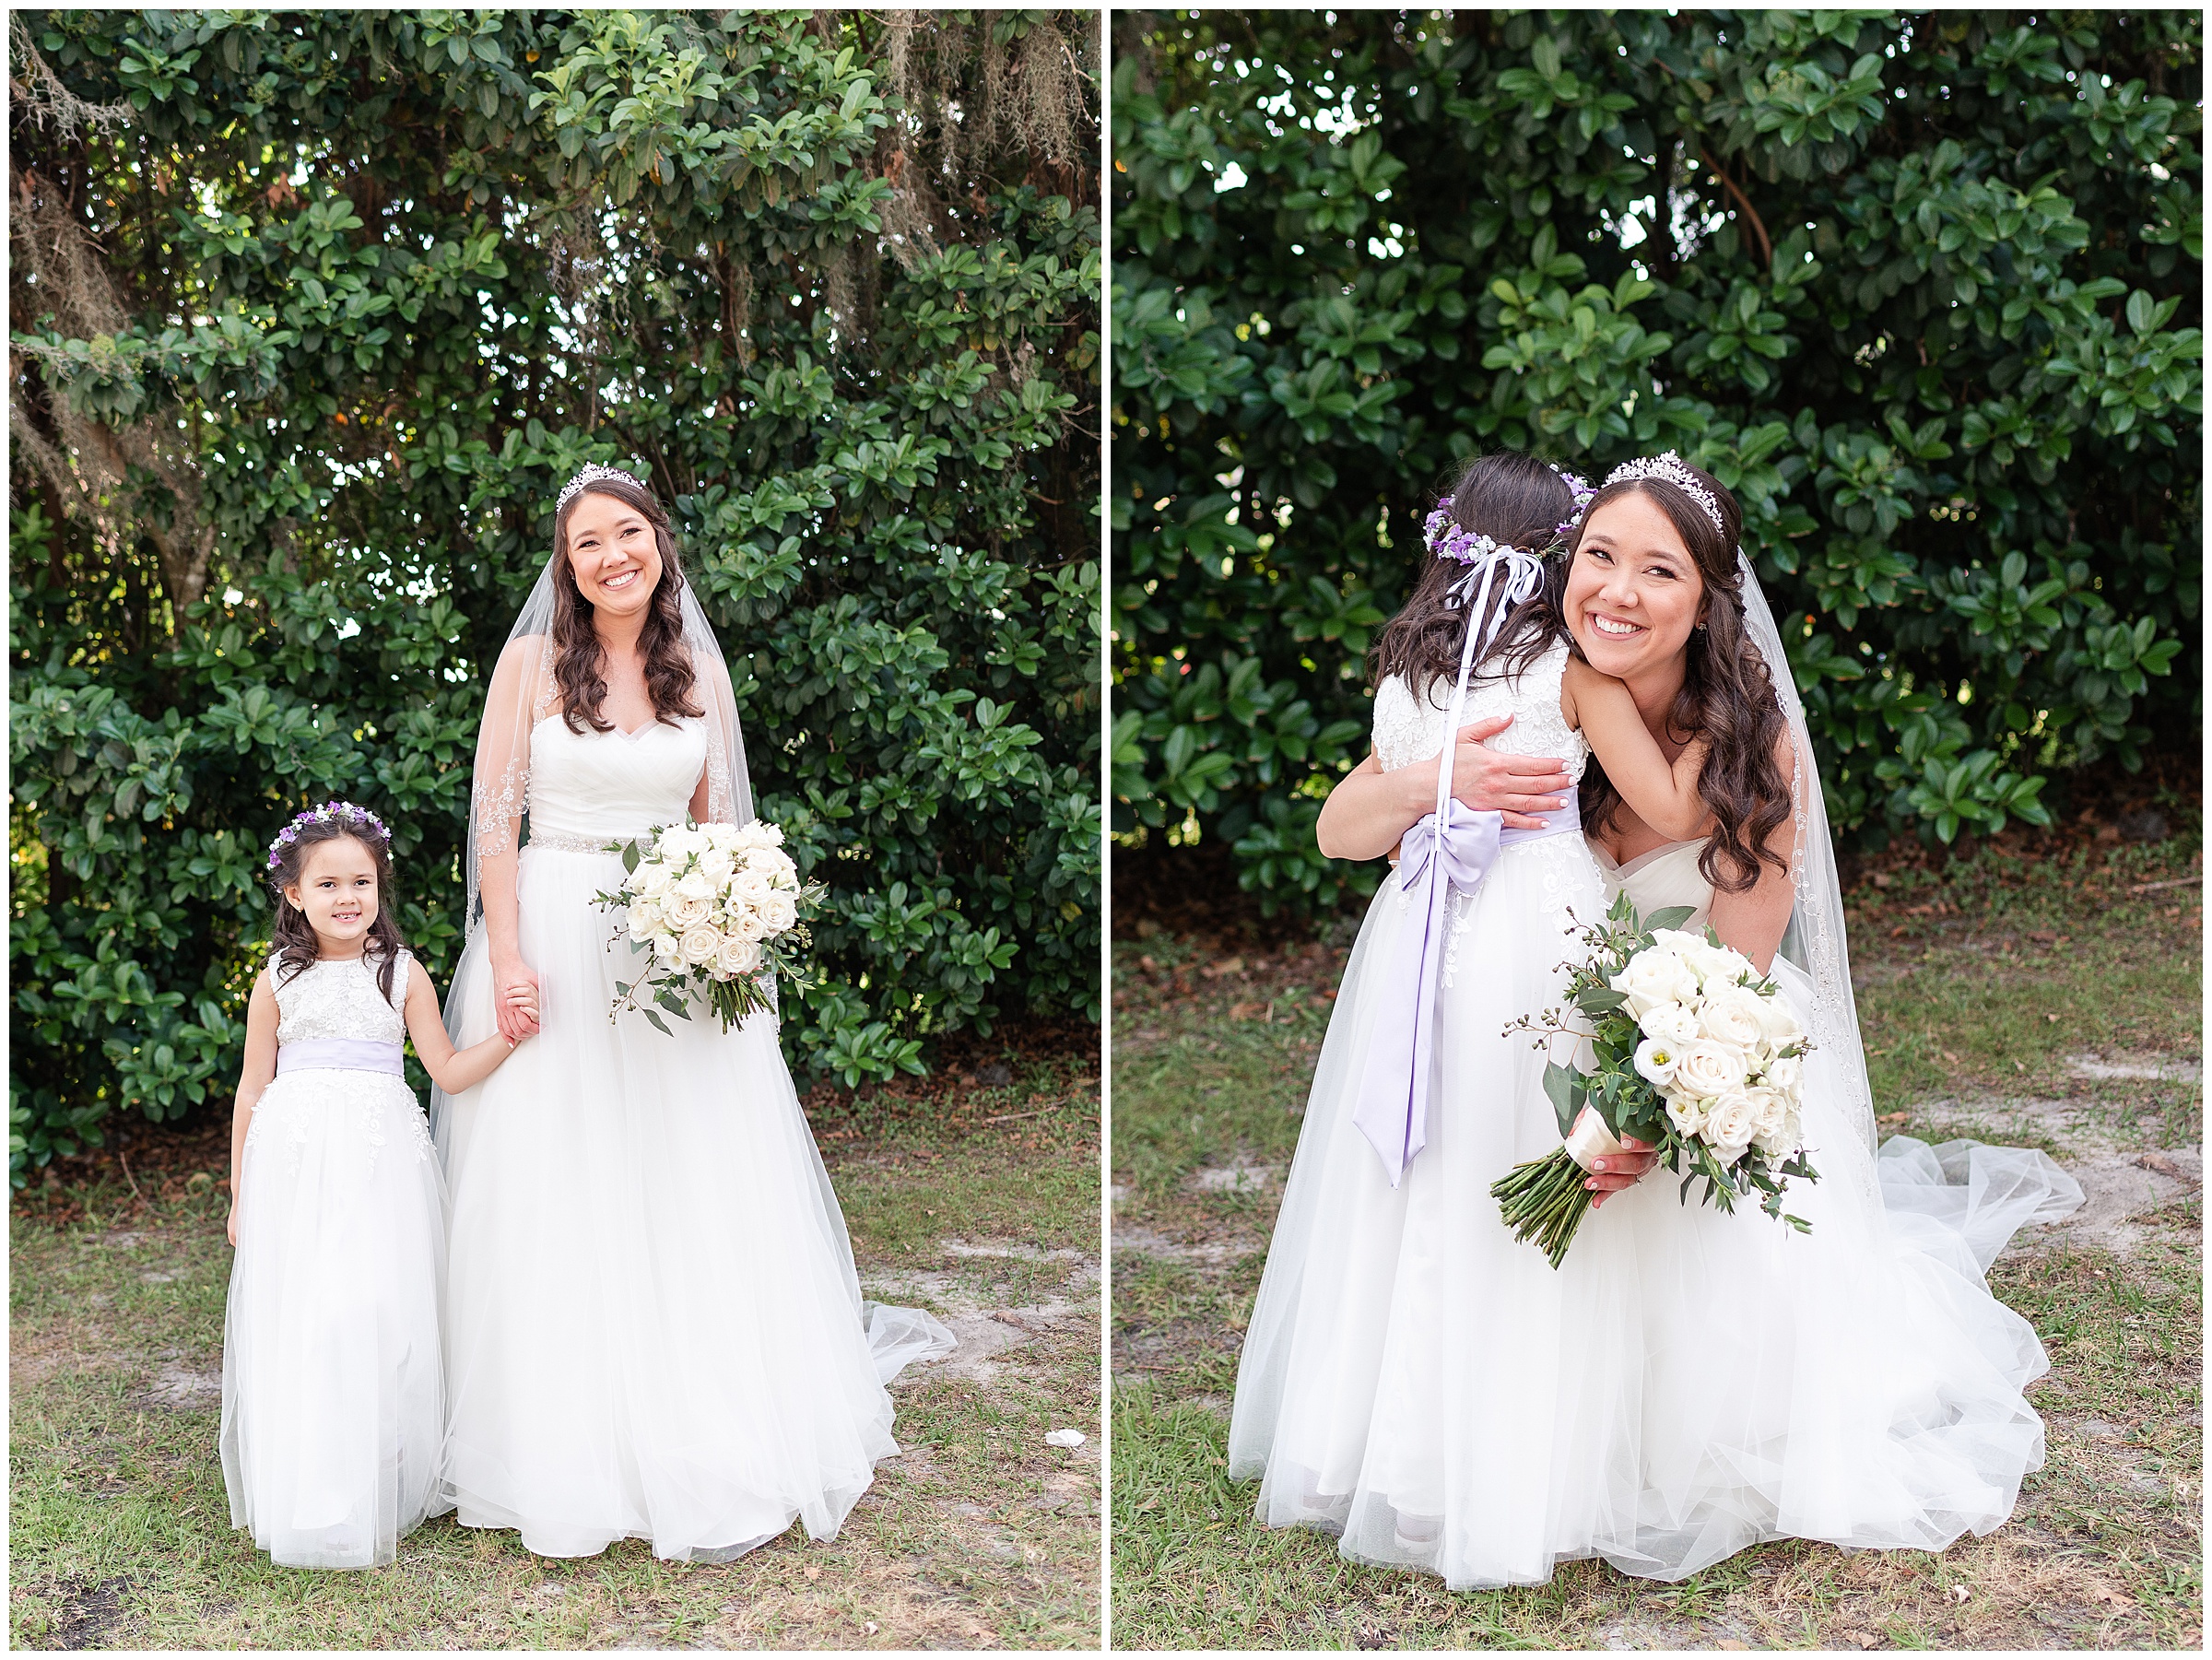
1668 465
587 477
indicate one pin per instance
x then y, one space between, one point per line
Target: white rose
1730 1013
767 834
676 844
779 866
667 946
749 924
716 863
1657 1059
1783 1073
695 885
1778 1021
750 886
737 957
1769 1109
779 910
645 918
1707 1069
690 912
1731 1124
722 836
1671 1022
1686 1114
701 943
1652 978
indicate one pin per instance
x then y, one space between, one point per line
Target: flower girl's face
337 890
614 554
1633 593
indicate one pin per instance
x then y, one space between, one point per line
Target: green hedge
315 311
1922 289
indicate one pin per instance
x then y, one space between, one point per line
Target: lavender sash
1392 1110
340 1054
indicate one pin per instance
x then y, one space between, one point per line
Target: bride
1689 1382
655 1329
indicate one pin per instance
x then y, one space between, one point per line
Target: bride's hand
514 998
1615 1172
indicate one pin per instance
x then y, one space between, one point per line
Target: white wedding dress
654 1327
1421 1383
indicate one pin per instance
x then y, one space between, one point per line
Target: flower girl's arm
1663 797
1753 922
260 1067
452 1070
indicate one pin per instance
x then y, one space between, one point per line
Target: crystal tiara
1668 465
585 477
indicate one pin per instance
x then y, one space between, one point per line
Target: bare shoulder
524 656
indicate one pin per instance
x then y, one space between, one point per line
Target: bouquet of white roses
717 909
1696 1053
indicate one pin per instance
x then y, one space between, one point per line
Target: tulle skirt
334 1412
1686 1385
655 1329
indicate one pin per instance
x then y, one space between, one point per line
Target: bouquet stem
1544 1201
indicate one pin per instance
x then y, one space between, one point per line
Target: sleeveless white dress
1688 1384
334 1413
656 1330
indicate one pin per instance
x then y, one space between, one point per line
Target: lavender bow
1450 848
1391 1110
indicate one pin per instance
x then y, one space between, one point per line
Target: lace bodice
592 787
337 999
1407 730
1659 878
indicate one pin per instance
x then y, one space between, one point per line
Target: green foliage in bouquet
782 956
1922 290
315 311
1544 1200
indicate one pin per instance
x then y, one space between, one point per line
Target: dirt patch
87 1613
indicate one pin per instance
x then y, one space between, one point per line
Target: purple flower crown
1451 540
330 812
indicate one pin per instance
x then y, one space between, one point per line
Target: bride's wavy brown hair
1726 694
580 658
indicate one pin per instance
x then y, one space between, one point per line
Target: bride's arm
1754 921
502 769
1369 810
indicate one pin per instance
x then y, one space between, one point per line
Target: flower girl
1402 1336
334 1402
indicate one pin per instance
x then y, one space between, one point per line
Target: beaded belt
340 1054
555 841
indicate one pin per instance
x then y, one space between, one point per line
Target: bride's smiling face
1633 593
613 552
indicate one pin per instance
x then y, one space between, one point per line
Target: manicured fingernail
1590 1183
1597 1164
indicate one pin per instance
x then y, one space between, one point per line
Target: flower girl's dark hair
1517 501
293 934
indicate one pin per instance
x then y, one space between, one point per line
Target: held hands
514 998
1617 1172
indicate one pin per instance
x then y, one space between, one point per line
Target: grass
976 1196
1961 969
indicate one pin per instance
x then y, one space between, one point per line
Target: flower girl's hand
1615 1172
514 998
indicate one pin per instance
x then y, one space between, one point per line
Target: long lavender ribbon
340 1054
1449 849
